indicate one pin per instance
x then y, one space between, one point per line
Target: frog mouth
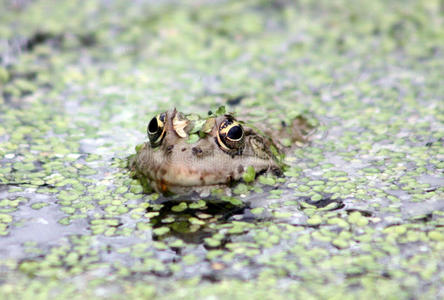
164 185
169 189
180 180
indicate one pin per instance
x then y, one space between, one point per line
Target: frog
189 153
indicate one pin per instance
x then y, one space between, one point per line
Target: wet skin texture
219 157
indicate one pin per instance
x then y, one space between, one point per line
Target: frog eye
156 130
231 135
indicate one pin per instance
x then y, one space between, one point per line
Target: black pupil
153 127
235 132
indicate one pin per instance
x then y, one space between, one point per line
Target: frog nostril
196 150
169 149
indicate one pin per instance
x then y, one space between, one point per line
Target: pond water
359 213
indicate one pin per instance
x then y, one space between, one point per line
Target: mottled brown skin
177 167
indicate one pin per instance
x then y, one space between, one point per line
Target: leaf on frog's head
220 111
193 138
179 124
198 125
193 117
208 125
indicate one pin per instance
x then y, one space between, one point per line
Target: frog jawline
201 190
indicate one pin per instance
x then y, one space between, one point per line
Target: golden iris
231 136
156 130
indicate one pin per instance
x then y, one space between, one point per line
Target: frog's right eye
156 130
231 136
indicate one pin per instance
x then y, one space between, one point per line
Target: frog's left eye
231 135
156 130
